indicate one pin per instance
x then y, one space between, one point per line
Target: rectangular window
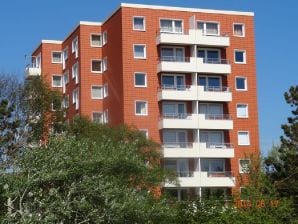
105 37
57 81
97 117
211 56
139 23
66 78
66 101
243 138
56 57
106 117
95 40
244 165
238 29
96 92
140 79
139 51
96 66
105 64
75 72
144 132
65 57
173 81
75 98
171 26
75 47
141 108
241 83
240 56
105 90
208 28
172 54
242 110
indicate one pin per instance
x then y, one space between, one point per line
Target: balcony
205 179
196 121
193 92
32 70
191 38
197 150
215 121
193 64
218 94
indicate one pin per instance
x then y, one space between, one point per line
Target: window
65 57
105 64
240 56
210 55
75 98
238 29
242 110
66 78
141 108
243 138
174 139
244 165
66 101
139 51
95 40
172 54
105 37
144 132
106 117
75 47
174 110
57 81
96 66
139 23
97 117
211 83
56 57
140 79
96 92
213 165
171 26
208 28
173 81
75 72
105 90
241 83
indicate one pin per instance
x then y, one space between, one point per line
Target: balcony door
173 82
210 109
210 82
213 165
174 109
183 168
209 55
172 53
175 139
212 138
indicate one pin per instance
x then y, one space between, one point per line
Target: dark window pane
239 56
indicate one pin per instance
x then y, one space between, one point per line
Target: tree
282 163
92 174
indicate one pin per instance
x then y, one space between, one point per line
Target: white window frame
173 25
145 53
104 38
96 98
242 104
61 58
66 99
210 76
73 75
106 116
96 34
140 86
174 51
101 67
205 27
105 90
175 78
105 64
66 74
241 168
243 29
146 104
145 131
75 46
97 112
245 81
244 56
248 138
176 106
144 23
61 81
75 98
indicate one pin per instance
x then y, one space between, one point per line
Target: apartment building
186 77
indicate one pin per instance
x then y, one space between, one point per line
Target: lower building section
206 193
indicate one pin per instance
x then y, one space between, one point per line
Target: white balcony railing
32 70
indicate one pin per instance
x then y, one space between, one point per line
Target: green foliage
79 178
282 162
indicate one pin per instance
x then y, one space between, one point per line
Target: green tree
93 174
282 162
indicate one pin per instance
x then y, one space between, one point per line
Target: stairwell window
239 29
141 108
140 79
240 56
57 81
96 66
242 110
96 92
171 26
95 40
241 83
244 165
139 23
139 51
243 138
57 57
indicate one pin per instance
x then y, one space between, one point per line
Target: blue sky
24 23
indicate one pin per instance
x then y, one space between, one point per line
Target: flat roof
172 8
